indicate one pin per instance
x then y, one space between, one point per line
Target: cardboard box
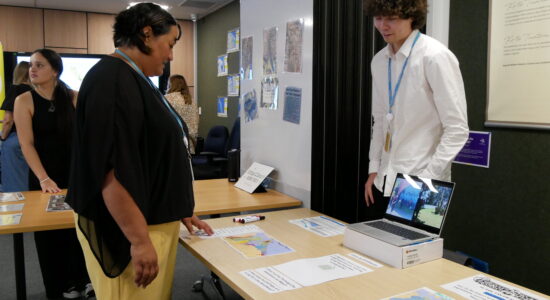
399 257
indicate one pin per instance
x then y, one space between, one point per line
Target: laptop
416 211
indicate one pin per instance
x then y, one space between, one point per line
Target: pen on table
248 219
238 219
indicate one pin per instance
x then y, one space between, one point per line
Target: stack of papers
420 294
256 244
221 232
321 225
482 287
57 203
249 240
11 207
12 219
304 272
7 197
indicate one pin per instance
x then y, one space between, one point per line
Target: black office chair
214 146
215 166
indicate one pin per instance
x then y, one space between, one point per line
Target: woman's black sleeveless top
53 147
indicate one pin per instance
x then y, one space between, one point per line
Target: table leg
217 283
19 258
198 285
215 278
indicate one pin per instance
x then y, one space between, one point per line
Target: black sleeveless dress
52 147
59 254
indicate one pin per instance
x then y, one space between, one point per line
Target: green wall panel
501 214
212 42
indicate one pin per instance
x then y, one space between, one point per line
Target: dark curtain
344 43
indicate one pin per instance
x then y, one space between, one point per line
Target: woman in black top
44 119
131 180
15 171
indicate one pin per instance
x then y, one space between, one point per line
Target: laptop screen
419 202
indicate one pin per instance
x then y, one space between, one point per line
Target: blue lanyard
138 70
394 93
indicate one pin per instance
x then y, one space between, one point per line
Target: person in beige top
180 98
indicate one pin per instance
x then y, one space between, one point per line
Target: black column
343 48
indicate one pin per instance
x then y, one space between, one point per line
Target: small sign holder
251 180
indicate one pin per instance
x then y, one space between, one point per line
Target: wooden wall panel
100 33
65 29
79 32
68 50
183 62
21 29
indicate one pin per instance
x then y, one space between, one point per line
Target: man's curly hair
414 9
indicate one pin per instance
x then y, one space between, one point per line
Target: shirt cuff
374 166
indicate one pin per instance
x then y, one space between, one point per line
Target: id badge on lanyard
392 93
387 144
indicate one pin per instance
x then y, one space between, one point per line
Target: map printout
257 244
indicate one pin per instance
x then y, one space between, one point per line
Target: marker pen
239 219
249 219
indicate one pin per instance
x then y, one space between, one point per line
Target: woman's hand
129 218
49 186
144 259
195 221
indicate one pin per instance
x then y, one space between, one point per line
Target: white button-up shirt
429 125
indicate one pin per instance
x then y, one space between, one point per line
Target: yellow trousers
165 240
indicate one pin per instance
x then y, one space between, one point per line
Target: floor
188 270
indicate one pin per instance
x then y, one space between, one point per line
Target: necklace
52 104
52 107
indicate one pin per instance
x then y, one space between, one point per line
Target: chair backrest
235 137
216 140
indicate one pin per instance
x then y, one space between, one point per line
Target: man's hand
195 221
144 259
369 198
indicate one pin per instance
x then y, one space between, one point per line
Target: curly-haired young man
418 102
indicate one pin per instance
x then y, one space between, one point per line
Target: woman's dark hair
417 10
129 24
178 84
62 95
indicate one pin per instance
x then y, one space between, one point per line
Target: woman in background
15 171
44 119
180 98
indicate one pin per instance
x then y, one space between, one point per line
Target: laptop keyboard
397 230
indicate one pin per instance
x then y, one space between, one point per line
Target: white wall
269 139
437 24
